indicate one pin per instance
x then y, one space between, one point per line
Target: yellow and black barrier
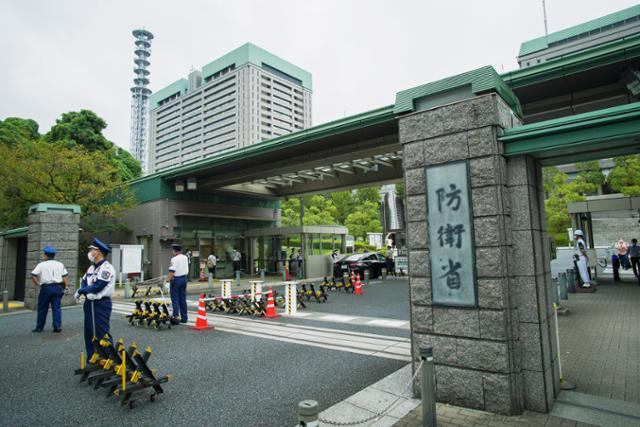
123 372
150 313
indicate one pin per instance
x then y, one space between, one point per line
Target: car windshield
354 257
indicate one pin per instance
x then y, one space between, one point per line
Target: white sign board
401 264
131 259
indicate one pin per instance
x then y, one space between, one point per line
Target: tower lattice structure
140 96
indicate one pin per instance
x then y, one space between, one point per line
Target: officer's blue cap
177 246
97 244
49 250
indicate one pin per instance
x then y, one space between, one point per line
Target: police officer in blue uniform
177 284
52 278
97 287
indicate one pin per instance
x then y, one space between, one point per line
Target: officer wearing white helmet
581 258
52 278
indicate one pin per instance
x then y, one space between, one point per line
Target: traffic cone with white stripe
358 285
271 306
353 278
201 320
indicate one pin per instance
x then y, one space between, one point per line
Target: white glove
65 291
166 286
76 296
92 297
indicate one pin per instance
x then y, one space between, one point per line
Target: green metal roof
543 42
15 232
179 86
251 54
481 80
597 56
45 207
362 120
614 129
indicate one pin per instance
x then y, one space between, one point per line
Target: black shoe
174 321
37 330
57 330
183 321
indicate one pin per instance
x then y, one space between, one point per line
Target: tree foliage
84 129
625 176
14 130
359 210
560 193
33 172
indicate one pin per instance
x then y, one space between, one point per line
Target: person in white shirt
177 284
581 258
211 264
236 257
97 287
53 279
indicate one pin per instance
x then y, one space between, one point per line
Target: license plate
344 267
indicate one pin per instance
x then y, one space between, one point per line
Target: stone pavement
453 416
600 341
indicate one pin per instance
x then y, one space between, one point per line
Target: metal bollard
308 411
384 274
366 276
210 281
428 388
238 277
262 274
345 277
5 301
127 289
571 281
562 280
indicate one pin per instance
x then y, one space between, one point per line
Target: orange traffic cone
271 306
353 278
201 320
358 285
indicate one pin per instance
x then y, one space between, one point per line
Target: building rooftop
585 29
248 53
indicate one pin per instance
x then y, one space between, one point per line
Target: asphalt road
219 378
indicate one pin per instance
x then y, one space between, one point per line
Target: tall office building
244 97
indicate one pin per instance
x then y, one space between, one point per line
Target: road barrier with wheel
124 373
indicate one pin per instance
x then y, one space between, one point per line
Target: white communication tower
140 96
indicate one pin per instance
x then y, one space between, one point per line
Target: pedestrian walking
581 259
53 279
211 264
97 287
389 259
235 258
634 257
299 264
176 284
621 251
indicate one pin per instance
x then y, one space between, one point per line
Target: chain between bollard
379 414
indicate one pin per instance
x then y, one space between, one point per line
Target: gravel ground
219 379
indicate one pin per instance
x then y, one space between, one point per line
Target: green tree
560 192
14 130
364 219
33 172
625 176
318 210
344 203
84 129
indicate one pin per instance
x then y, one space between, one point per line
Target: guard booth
13 257
270 248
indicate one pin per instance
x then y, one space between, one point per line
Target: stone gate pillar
58 226
495 354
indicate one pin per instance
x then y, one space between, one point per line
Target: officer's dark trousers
102 316
50 294
179 297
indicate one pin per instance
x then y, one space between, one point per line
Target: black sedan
358 263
